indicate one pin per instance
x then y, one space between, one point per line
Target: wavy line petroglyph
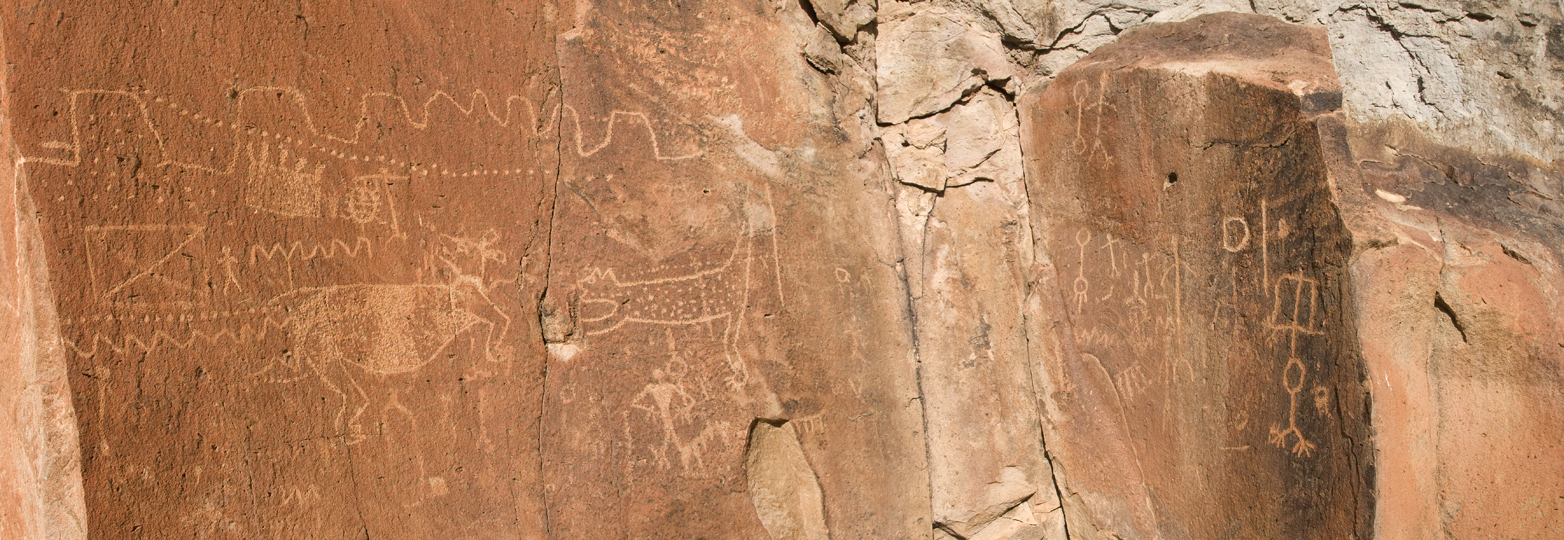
129 342
389 329
299 250
608 137
339 334
298 100
419 120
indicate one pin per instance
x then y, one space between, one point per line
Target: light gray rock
844 17
975 140
932 59
984 435
916 151
982 141
1485 77
1024 22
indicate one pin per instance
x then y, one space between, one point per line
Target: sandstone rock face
1457 276
1208 338
851 269
40 468
294 267
1360 281
723 251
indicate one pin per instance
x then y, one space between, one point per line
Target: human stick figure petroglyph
1081 285
1300 293
666 402
1089 140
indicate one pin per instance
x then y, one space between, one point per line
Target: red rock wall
720 255
292 247
620 270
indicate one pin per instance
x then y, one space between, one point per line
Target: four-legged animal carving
341 333
716 296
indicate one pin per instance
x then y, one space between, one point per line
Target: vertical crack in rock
358 501
933 88
1444 307
1170 285
557 315
952 146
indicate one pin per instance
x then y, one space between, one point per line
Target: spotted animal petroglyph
716 296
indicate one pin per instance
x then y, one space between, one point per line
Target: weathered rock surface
40 468
1458 276
295 252
852 269
723 251
1266 371
1207 340
929 59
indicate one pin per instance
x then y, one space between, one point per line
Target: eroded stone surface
290 263
797 285
724 251
1200 272
931 58
1457 279
40 468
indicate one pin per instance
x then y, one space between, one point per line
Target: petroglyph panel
276 295
1200 263
665 299
718 259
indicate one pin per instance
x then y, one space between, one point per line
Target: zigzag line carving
131 342
608 136
299 251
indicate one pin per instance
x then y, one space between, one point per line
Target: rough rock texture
40 471
295 251
723 251
1206 332
1391 270
1458 275
840 269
